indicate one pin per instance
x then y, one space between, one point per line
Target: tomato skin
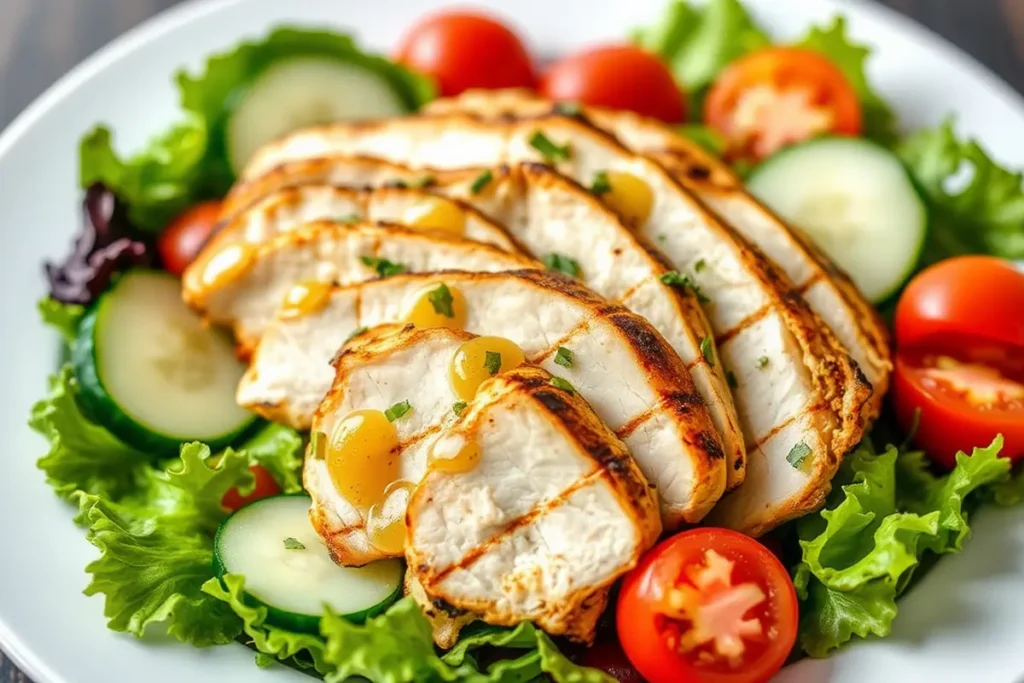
617 77
783 70
980 296
640 627
463 50
266 486
180 243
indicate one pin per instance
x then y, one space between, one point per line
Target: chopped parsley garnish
384 267
552 152
797 455
318 445
762 362
707 350
481 181
699 266
562 384
492 362
422 182
293 544
355 333
441 300
458 407
398 410
399 183
568 108
601 184
348 218
560 263
730 378
563 357
674 279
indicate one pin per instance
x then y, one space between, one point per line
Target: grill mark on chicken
806 410
727 336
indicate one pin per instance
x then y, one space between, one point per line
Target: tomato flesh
708 606
266 486
180 243
780 96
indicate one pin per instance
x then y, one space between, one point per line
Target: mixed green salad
151 497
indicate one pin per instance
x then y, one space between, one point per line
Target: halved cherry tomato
180 242
266 486
959 369
708 606
463 50
779 96
619 77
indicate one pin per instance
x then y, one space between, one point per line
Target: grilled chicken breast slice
620 364
243 285
532 533
829 291
815 398
291 207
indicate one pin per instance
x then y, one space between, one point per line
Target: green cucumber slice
856 201
288 569
152 374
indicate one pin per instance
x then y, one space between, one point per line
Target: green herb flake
482 180
568 108
762 362
797 455
348 218
700 265
548 149
318 445
707 349
730 378
560 263
293 544
563 384
563 357
458 407
442 301
674 279
355 333
398 410
492 362
398 183
383 267
423 182
601 184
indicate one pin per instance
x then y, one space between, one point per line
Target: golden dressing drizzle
385 522
227 264
305 298
436 213
439 306
463 461
630 197
362 457
471 364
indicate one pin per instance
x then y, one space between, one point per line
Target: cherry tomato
708 606
618 77
266 486
463 50
959 369
181 241
607 656
779 96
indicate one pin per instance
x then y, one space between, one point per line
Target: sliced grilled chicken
289 208
245 285
828 290
613 357
533 533
796 389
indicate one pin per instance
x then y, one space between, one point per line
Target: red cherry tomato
181 241
959 369
607 656
618 77
266 486
463 50
708 606
779 96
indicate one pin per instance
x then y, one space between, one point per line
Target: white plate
962 623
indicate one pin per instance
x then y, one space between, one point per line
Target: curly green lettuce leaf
82 456
189 162
976 205
279 450
851 58
699 41
886 514
62 317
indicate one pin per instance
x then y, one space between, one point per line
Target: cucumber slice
306 91
856 201
288 570
151 373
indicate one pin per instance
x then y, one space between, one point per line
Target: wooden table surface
41 39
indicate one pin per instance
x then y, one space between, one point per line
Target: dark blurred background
41 39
